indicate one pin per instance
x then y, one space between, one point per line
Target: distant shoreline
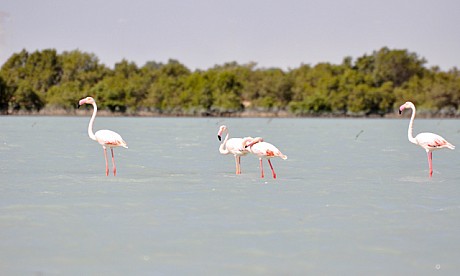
245 114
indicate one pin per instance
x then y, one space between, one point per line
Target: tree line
374 84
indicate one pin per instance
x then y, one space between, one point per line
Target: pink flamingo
428 141
265 150
106 138
232 146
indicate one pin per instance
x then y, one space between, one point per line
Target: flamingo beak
218 137
401 108
81 102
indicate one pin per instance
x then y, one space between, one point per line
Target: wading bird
106 138
232 146
264 150
428 141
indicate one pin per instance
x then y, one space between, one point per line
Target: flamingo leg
113 163
237 165
430 162
261 168
106 162
271 167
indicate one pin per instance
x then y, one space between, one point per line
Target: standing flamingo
428 141
106 138
264 150
232 146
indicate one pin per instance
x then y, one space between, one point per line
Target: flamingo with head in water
106 138
427 140
232 146
263 150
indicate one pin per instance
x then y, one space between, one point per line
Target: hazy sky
202 33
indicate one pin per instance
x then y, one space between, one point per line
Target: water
353 197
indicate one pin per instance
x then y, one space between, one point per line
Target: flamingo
428 141
232 146
106 138
264 150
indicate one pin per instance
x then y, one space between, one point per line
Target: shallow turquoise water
353 197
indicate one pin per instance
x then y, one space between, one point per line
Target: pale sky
203 33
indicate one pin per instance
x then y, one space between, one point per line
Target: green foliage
120 89
165 89
82 68
196 96
397 66
6 94
27 97
63 96
372 84
226 92
271 89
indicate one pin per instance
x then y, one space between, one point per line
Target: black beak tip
218 137
400 112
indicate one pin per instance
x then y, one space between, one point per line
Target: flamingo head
246 141
87 100
222 129
406 105
249 141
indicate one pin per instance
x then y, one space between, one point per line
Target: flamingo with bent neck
427 140
106 138
232 146
264 150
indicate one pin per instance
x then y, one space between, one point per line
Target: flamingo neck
223 147
91 122
410 130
